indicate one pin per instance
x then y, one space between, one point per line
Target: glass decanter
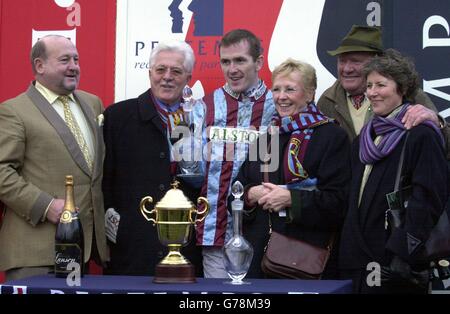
189 166
238 252
188 104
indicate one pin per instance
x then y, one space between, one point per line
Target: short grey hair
176 46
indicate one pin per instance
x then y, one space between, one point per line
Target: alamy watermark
74 277
373 278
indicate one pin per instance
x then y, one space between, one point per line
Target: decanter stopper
237 190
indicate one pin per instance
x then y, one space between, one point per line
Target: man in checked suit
38 149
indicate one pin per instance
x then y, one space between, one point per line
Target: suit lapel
371 188
148 111
342 109
60 127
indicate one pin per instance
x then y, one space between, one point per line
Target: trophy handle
145 211
203 212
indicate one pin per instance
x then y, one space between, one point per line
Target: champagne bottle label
66 254
67 217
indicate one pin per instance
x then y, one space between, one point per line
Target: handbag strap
266 163
266 180
400 165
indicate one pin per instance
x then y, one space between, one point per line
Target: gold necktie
75 128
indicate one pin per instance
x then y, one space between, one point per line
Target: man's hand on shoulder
417 114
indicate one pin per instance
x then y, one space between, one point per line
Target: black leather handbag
438 244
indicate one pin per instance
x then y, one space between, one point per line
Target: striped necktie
75 129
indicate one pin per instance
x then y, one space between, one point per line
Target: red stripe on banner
95 25
249 16
95 36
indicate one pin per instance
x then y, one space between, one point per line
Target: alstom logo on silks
233 135
227 136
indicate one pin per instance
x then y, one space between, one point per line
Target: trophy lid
174 199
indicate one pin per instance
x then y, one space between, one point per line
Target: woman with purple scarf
368 248
306 192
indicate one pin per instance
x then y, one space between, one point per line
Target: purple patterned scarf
392 130
301 127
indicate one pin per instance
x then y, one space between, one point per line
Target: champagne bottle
69 241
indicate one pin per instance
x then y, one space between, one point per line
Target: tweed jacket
38 151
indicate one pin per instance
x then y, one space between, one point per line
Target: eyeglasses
287 90
161 70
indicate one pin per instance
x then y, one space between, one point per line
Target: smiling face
350 66
289 94
60 70
238 66
168 76
383 94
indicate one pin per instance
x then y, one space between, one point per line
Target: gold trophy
173 217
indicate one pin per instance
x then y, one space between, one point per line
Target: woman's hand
254 194
276 198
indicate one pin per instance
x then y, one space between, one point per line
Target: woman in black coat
367 245
313 153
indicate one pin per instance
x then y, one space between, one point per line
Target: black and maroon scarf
301 127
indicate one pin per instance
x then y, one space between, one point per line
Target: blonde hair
307 71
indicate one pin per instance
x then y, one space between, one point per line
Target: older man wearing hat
345 100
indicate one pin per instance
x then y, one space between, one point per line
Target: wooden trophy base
184 273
